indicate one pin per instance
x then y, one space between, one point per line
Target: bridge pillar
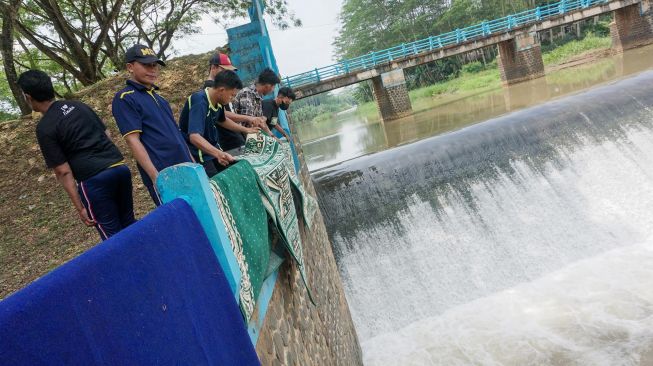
391 95
632 26
520 59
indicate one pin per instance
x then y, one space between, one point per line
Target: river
510 227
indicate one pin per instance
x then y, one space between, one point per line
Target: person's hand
83 215
253 130
153 177
225 159
260 121
257 122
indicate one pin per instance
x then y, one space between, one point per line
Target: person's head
266 81
37 88
143 65
285 96
225 87
219 62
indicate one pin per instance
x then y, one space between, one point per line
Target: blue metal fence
458 36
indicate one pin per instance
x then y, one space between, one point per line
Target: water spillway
525 239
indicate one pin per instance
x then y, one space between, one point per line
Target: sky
296 50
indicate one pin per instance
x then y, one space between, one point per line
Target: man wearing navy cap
146 120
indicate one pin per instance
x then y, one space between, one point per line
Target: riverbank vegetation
368 28
473 77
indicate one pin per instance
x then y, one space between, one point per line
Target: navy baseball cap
142 54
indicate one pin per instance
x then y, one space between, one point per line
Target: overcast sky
297 49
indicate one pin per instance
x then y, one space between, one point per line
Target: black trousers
107 197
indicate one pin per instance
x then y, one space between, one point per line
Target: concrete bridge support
520 59
391 95
632 26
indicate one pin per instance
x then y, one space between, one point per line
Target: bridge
516 36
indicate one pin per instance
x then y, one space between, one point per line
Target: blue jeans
107 197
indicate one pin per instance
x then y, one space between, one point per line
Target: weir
206 288
466 247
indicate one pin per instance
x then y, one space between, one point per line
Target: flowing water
351 135
526 239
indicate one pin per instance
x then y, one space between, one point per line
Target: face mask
284 106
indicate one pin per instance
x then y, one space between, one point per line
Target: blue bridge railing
458 36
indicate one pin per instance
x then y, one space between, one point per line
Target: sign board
251 49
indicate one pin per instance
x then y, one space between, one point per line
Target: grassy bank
39 228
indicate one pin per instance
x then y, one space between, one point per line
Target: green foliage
363 93
87 39
321 107
8 108
486 79
474 77
369 25
473 67
63 83
574 48
600 29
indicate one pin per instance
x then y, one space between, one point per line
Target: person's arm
282 131
140 154
233 126
247 120
200 142
267 129
65 177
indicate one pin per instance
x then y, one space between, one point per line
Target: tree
371 25
9 10
70 32
87 38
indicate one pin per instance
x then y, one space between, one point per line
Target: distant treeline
378 24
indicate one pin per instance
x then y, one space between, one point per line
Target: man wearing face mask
271 107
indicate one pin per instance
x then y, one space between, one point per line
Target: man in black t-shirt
271 107
76 145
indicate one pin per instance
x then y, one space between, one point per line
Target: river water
350 135
505 228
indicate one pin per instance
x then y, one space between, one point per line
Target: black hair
268 76
227 79
287 92
37 85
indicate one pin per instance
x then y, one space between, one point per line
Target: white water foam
597 311
543 271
